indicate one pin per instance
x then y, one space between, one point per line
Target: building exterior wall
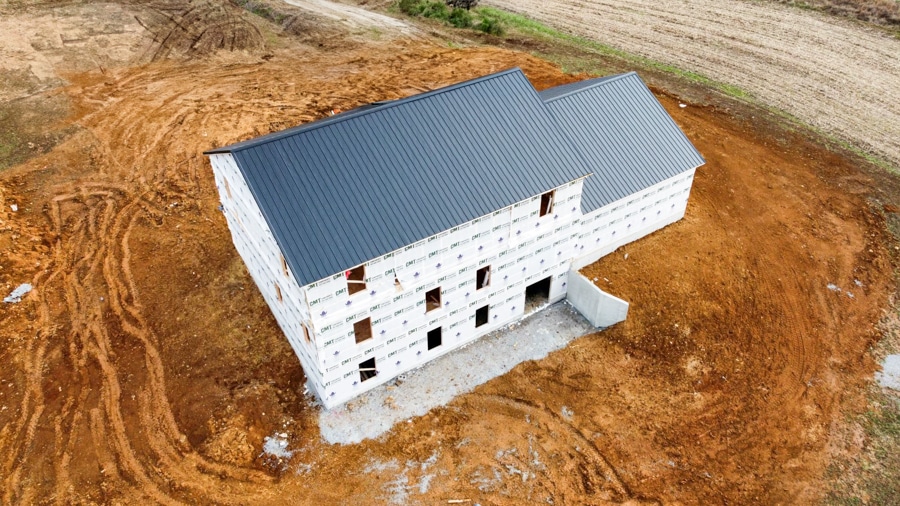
520 246
630 218
257 247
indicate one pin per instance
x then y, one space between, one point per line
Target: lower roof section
629 140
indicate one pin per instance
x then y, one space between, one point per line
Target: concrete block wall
633 217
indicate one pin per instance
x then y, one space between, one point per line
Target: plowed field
146 368
837 75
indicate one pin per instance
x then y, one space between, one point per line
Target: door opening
537 294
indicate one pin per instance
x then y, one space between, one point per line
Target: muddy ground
145 366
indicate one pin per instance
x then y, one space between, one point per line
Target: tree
462 4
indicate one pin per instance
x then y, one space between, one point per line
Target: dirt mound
146 367
198 28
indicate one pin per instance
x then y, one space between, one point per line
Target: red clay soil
145 366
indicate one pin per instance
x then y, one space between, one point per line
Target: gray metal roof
352 187
565 89
630 141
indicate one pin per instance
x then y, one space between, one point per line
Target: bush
491 26
436 10
460 18
411 7
462 4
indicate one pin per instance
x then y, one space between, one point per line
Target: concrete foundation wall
600 308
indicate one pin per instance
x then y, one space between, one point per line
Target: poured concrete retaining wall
599 307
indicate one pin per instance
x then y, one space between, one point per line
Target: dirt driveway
836 75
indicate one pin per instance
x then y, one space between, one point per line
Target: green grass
530 27
262 10
9 143
876 472
456 17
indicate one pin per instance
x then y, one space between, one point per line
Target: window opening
547 202
433 299
397 285
483 277
227 187
278 292
306 333
434 338
355 279
367 369
537 294
363 330
481 316
284 268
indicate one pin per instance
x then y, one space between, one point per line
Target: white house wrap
386 236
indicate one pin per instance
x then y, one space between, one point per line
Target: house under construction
386 236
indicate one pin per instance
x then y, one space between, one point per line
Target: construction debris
18 293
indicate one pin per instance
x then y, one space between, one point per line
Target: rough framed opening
482 315
284 267
227 187
363 330
547 202
367 369
306 334
537 294
433 299
356 279
483 277
434 338
278 293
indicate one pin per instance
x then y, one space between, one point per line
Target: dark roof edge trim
600 82
362 110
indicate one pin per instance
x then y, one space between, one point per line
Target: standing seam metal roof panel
630 141
355 186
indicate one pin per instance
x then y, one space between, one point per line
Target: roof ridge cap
600 82
311 126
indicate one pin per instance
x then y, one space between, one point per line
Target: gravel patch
889 377
438 382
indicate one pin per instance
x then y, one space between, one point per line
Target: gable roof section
349 188
630 141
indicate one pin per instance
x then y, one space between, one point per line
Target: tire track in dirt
31 408
114 389
198 28
583 469
94 258
836 75
136 180
86 320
